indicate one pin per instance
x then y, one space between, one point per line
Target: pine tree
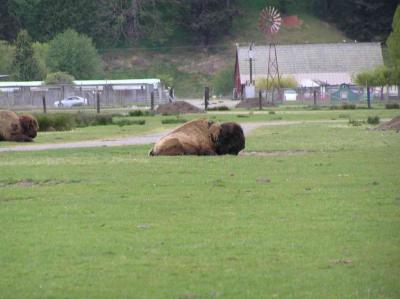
25 66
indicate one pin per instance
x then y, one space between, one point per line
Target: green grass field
312 211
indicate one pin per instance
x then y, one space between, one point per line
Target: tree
206 18
380 76
363 20
75 54
393 43
8 23
39 54
59 78
222 81
7 54
25 66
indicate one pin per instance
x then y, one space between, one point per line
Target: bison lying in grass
201 137
17 128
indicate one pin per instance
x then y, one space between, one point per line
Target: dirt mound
253 103
393 124
177 107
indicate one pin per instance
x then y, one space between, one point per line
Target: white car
71 101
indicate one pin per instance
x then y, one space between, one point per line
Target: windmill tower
269 23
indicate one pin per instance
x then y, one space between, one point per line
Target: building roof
324 62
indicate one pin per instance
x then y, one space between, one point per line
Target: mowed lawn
312 211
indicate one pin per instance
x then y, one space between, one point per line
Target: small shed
345 93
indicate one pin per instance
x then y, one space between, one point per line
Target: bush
271 112
59 78
128 122
56 121
136 113
392 106
348 106
103 119
219 108
173 121
373 120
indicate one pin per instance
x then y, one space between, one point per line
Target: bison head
230 139
29 125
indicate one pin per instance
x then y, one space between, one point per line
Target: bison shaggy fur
201 137
17 128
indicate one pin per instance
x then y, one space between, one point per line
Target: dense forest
113 23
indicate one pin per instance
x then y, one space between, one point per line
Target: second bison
201 137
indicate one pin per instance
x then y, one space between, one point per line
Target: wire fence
110 95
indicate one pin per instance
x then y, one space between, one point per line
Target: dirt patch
253 103
274 153
177 108
393 124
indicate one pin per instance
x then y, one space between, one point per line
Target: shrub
173 121
56 121
392 106
242 115
271 112
219 108
140 113
373 120
103 119
128 122
59 78
347 106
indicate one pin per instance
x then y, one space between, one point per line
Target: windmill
269 23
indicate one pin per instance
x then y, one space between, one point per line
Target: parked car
71 102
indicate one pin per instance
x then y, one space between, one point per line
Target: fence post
206 97
315 98
368 97
44 104
260 99
98 102
152 101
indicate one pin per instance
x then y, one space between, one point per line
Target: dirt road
138 140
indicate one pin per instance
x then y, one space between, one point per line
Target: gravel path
140 139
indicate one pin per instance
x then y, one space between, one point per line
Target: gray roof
341 58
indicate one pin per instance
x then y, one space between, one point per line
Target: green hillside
190 67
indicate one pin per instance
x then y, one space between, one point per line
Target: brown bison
201 137
17 128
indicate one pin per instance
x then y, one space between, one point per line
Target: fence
111 95
330 95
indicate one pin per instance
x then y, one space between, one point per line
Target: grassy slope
113 222
192 67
